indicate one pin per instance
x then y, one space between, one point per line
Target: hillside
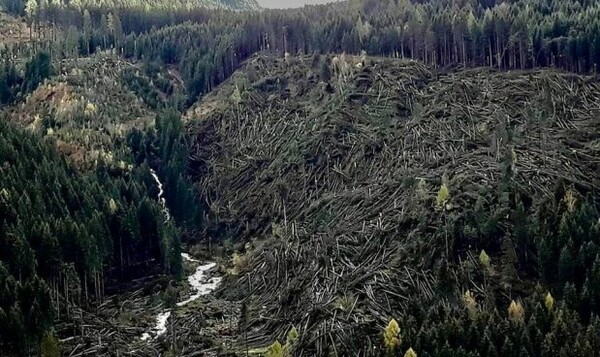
372 189
365 178
91 104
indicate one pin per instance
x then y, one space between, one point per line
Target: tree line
208 45
13 84
27 7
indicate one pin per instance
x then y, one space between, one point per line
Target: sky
283 4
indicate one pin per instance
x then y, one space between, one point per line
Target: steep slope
91 104
373 189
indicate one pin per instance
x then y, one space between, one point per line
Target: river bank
200 283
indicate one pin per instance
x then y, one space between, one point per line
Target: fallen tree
372 189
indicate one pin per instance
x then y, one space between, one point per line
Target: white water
199 282
161 199
187 257
160 328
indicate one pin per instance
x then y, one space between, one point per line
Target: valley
362 178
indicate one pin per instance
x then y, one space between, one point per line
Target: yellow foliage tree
90 109
292 336
443 197
391 336
470 303
484 259
4 194
516 312
31 8
570 200
50 346
112 205
410 353
549 302
291 339
275 350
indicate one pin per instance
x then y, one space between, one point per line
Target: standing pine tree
50 346
36 70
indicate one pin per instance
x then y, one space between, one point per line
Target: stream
199 282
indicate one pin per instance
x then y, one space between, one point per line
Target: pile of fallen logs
115 326
344 182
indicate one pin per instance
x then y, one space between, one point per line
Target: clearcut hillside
366 189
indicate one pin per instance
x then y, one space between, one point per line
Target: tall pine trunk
490 54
